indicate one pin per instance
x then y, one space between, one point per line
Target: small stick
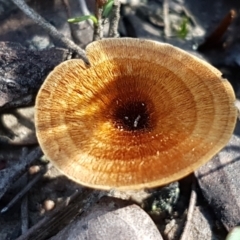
67 8
98 28
219 31
46 219
114 19
73 27
15 173
24 190
192 204
84 10
167 28
24 209
52 31
60 216
83 7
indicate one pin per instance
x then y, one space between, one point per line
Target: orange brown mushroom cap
142 115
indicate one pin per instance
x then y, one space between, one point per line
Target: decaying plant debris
28 53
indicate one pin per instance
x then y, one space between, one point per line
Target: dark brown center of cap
132 116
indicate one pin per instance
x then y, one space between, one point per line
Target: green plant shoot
83 18
183 29
107 8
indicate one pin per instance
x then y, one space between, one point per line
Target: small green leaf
107 8
83 18
183 30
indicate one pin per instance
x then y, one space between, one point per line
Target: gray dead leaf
111 219
219 180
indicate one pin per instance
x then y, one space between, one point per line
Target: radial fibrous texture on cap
142 115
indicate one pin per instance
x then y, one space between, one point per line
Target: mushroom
144 114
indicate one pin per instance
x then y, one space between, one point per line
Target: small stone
48 205
34 169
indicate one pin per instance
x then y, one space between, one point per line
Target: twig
46 219
24 190
60 216
65 4
218 32
52 31
192 204
24 209
14 174
114 20
167 28
98 28
24 214
83 7
74 28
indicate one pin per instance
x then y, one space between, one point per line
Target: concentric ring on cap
142 115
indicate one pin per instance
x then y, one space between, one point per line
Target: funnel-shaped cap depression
142 115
